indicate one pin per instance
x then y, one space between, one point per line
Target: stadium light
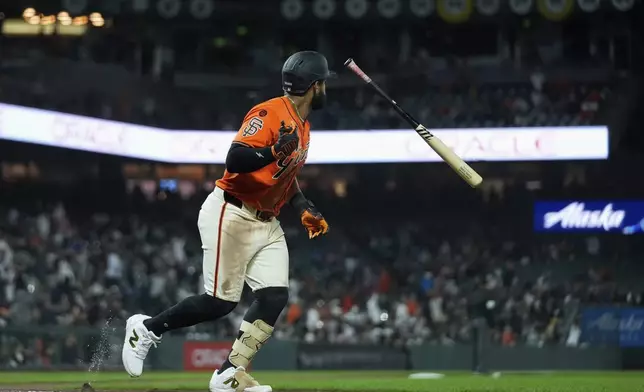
97 19
28 13
64 18
79 21
34 20
47 20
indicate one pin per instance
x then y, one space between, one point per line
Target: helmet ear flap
294 84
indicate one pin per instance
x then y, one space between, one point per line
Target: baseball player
242 239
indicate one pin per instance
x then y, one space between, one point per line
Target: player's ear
314 88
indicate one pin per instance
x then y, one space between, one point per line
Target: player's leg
225 257
267 276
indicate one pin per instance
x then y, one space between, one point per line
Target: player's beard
318 101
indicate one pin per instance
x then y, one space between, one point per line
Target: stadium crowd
390 275
96 78
532 102
395 278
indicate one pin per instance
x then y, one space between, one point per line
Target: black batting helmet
303 69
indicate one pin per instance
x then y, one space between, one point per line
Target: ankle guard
252 339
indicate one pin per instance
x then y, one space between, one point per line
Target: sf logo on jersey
255 124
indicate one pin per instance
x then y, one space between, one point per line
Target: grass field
326 381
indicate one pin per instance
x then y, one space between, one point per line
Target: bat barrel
449 156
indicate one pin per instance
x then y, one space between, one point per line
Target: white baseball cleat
138 341
236 380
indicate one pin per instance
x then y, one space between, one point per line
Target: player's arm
311 218
255 146
244 159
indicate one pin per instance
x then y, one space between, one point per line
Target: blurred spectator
70 352
79 269
573 335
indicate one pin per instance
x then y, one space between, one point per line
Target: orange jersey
268 188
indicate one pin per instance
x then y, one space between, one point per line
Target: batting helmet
303 69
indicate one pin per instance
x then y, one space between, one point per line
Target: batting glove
286 143
313 221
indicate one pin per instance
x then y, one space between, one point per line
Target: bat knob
349 61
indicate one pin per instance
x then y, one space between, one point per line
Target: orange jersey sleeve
268 188
260 128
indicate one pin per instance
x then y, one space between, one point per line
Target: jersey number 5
254 125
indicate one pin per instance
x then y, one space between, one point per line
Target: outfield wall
283 355
85 348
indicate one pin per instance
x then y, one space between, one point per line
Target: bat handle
354 67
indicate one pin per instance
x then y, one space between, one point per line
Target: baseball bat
454 161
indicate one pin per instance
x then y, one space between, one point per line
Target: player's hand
313 221
287 142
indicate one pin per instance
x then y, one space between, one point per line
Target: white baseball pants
238 247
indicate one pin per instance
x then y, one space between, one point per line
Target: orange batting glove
313 221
